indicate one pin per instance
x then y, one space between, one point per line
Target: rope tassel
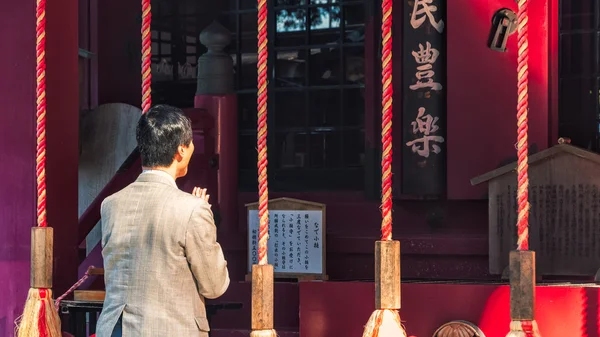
40 317
523 329
385 320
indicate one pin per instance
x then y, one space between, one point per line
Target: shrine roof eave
537 158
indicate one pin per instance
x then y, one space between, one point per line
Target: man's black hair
160 132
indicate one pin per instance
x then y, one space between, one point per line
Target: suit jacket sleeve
204 254
102 237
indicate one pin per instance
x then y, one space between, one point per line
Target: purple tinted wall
17 147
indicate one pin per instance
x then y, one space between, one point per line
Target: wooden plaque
297 241
564 221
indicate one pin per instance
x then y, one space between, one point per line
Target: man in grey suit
161 257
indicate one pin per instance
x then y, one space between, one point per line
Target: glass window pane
354 148
247 112
354 64
578 14
291 149
165 8
290 68
578 54
325 25
248 4
325 66
354 17
247 153
248 71
192 60
326 17
289 2
290 20
248 55
325 149
165 49
229 21
578 107
290 109
324 108
249 24
354 107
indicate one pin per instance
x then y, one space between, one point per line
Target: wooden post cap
522 285
262 297
387 274
42 246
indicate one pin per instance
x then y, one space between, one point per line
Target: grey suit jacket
161 259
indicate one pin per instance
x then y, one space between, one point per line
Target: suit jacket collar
156 177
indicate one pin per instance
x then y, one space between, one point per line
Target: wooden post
262 297
387 275
42 246
522 285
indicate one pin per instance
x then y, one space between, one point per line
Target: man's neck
171 171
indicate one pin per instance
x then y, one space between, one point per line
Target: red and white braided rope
386 121
40 93
74 287
146 56
263 189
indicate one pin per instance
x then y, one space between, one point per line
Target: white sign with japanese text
295 241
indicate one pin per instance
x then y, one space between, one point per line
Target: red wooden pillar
17 147
224 111
63 137
215 94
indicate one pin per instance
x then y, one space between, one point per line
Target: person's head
164 138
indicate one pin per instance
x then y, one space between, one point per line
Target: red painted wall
341 309
17 136
482 96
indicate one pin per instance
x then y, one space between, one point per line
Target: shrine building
454 158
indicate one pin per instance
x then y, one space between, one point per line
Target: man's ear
180 152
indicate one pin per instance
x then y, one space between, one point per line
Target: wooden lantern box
565 211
